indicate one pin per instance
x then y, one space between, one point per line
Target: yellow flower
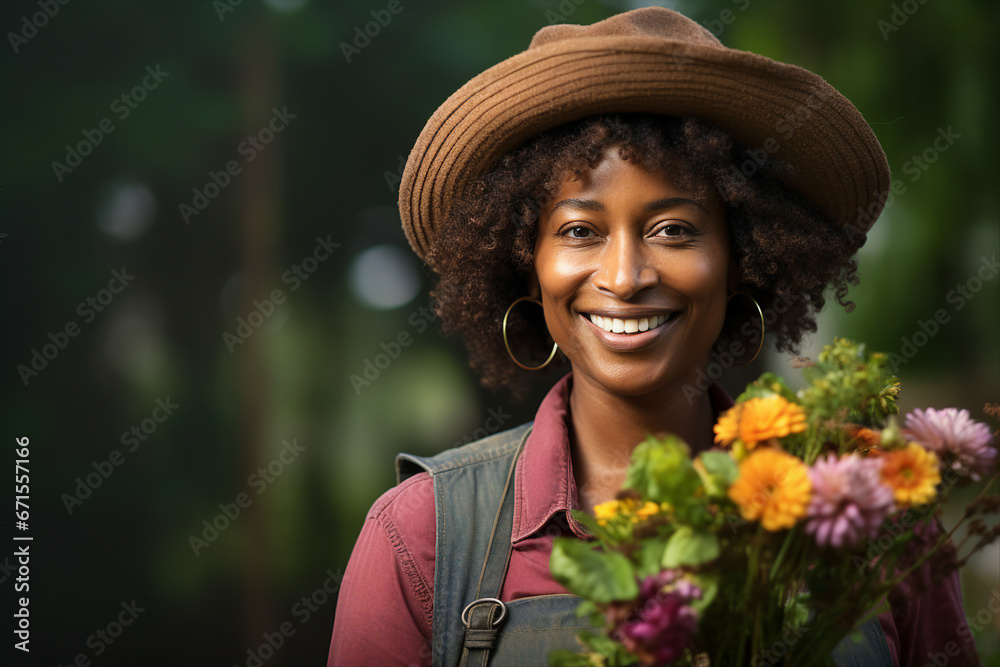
912 473
773 487
646 511
606 511
627 509
760 419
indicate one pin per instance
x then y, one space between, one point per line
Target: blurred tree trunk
259 211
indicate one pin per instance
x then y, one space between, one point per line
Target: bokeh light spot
384 277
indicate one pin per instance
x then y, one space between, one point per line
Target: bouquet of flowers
774 546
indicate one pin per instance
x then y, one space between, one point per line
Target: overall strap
483 615
469 486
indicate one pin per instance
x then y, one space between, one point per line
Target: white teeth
616 325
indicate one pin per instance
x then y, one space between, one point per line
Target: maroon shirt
386 598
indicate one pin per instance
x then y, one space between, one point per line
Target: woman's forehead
610 171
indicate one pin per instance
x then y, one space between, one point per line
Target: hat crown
656 22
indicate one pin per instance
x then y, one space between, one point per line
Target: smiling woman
616 200
783 254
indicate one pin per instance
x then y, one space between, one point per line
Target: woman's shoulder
498 445
411 498
411 501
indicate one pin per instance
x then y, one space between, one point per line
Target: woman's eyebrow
582 204
592 205
670 202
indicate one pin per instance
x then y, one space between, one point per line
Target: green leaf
797 610
721 471
594 528
590 610
686 547
661 471
709 585
613 654
648 557
766 385
590 573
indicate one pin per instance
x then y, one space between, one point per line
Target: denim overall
474 503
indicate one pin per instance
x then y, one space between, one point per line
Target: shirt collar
544 485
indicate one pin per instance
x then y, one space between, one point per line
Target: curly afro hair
786 253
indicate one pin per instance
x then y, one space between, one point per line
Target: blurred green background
249 173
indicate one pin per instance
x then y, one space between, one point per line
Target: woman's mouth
629 326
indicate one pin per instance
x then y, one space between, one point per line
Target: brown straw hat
650 60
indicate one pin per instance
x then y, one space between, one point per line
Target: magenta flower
952 431
849 501
662 623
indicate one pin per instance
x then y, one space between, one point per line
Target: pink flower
662 623
952 431
849 501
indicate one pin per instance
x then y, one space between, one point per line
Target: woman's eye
671 231
579 232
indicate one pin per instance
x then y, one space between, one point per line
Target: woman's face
633 272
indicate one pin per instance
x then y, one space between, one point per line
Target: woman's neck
605 428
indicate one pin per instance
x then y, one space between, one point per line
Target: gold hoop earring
503 329
759 312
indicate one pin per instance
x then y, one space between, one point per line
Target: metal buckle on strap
503 610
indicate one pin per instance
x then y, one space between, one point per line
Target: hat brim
790 113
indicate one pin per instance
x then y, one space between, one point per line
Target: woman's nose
625 269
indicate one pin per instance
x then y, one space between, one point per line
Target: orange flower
759 419
727 429
864 438
773 487
912 473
